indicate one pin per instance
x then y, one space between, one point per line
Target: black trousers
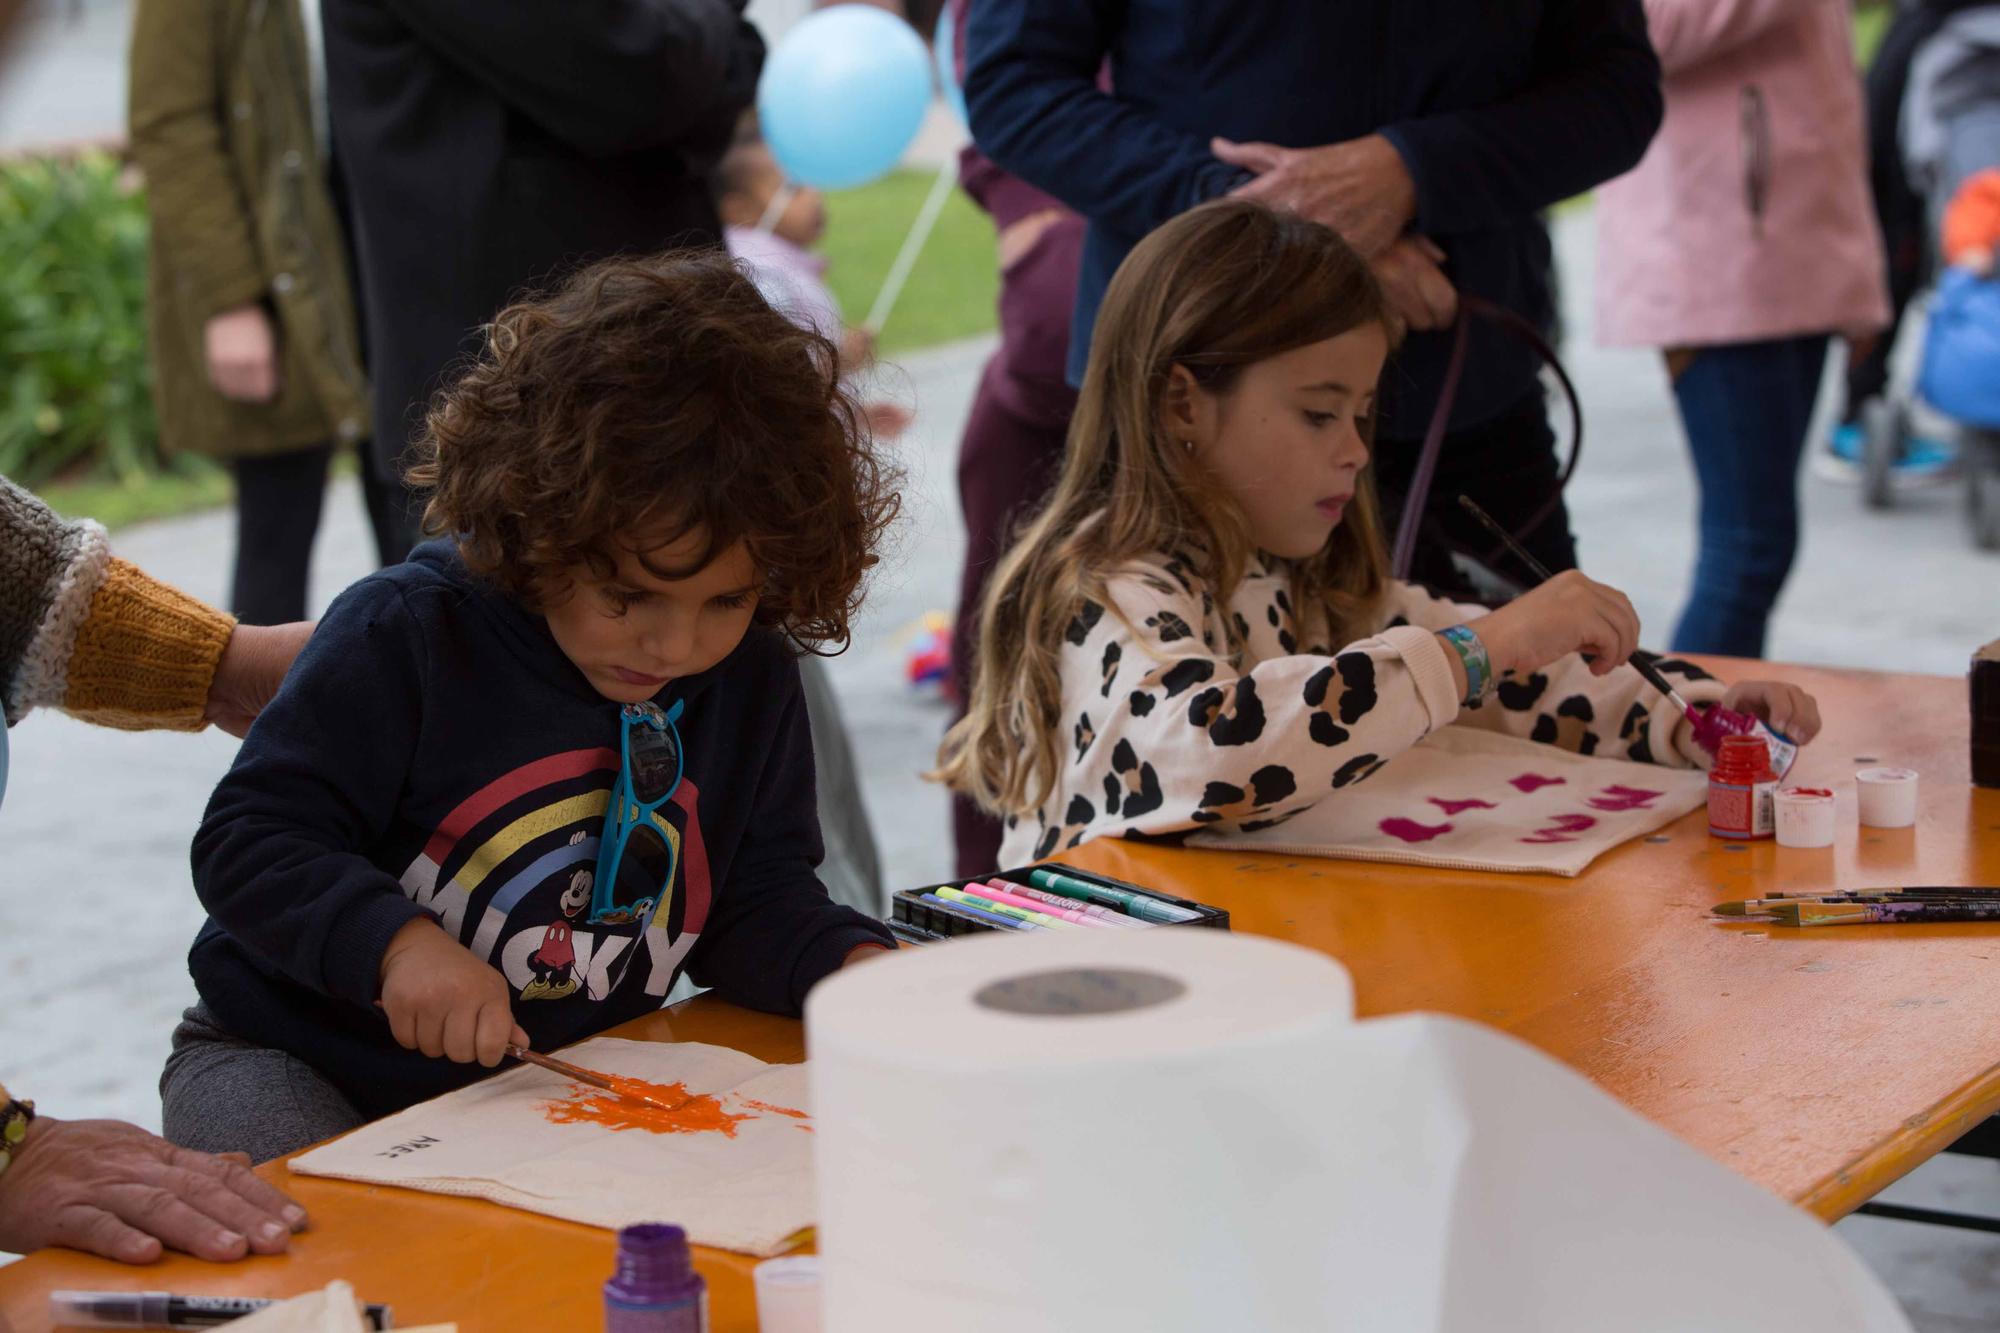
1508 466
278 501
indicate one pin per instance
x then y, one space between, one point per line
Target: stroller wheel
1885 423
1982 492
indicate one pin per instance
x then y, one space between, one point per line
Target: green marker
1137 904
1004 909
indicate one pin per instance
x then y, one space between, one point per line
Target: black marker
160 1309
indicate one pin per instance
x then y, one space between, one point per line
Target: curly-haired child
513 787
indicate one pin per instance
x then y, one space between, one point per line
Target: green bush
75 391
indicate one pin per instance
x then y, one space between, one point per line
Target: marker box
917 910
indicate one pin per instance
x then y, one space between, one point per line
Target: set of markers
1042 898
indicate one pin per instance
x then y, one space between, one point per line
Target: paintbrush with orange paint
578 1074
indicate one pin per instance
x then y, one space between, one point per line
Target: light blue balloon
945 55
843 95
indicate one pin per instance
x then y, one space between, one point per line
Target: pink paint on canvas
1460 807
1624 798
1563 828
1409 830
1534 782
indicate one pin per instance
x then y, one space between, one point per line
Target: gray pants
852 871
219 1093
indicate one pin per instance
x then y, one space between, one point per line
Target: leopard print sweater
1168 731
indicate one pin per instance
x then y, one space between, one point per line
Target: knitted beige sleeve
145 655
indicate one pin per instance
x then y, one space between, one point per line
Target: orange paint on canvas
775 1110
661 1108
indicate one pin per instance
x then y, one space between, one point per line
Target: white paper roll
1070 1107
1888 796
1182 1131
1804 816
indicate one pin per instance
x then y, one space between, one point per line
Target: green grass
192 484
1870 21
951 291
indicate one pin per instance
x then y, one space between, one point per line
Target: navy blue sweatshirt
433 751
1499 109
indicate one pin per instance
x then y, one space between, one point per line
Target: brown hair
659 397
1215 290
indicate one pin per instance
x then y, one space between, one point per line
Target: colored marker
1000 891
986 904
967 912
1048 900
160 1309
1138 904
1861 914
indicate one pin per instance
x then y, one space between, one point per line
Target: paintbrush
578 1074
1753 906
1639 661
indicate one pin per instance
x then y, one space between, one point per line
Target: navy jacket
1499 108
434 751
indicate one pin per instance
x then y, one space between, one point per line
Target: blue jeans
1746 408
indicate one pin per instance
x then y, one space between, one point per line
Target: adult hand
1568 614
1787 708
444 1002
114 1190
1418 291
253 666
1359 188
242 350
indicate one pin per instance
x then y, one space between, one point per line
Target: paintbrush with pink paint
1710 724
578 1074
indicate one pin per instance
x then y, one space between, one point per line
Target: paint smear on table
671 1110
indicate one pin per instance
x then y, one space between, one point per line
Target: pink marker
1055 905
1012 899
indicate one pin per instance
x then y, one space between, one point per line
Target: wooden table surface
1822 1064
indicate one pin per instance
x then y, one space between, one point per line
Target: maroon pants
1007 461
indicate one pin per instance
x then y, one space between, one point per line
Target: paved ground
94 890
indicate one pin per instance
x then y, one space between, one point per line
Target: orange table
1821 1064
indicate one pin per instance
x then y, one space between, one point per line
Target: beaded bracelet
1479 675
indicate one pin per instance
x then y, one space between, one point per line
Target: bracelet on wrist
1480 677
15 1117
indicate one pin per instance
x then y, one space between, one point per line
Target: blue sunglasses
649 773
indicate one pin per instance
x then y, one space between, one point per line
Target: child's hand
1786 708
857 350
1568 614
886 420
442 1001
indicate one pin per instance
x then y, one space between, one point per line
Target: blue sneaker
1923 460
1841 459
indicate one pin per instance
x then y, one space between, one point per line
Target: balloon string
913 244
774 210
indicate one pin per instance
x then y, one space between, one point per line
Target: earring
1188 445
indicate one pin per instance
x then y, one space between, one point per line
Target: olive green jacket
221 124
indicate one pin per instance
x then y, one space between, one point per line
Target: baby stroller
1951 129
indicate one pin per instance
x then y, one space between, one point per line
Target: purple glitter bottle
655 1289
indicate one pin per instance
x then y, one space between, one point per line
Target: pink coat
1749 216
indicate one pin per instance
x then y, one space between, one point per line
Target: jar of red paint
1742 790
